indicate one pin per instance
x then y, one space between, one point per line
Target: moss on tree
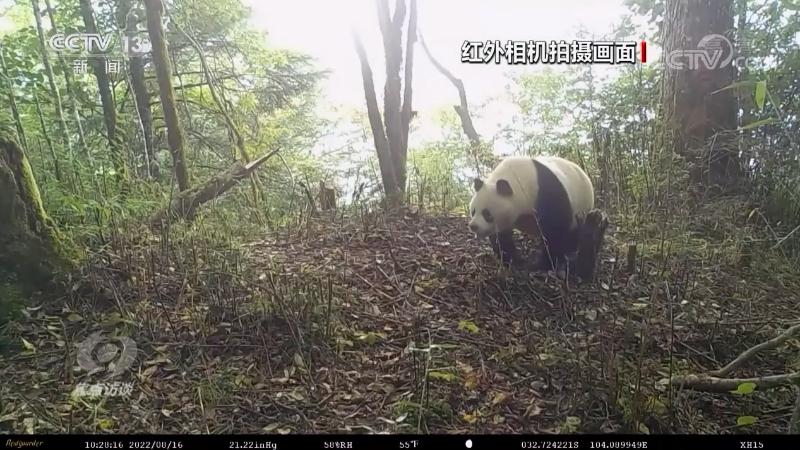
31 247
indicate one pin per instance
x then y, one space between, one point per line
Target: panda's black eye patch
487 216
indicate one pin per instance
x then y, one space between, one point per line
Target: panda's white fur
551 189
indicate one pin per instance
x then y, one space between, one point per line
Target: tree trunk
128 18
141 97
391 131
704 121
163 68
68 82
13 102
43 126
741 46
406 111
30 245
391 29
376 123
98 64
50 76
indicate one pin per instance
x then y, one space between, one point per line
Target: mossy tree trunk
163 66
31 248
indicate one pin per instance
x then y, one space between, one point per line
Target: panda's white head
492 208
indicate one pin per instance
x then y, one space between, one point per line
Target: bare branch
211 80
463 109
715 384
185 205
751 352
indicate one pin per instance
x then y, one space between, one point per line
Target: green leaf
271 427
744 421
570 425
74 317
757 124
371 338
28 346
446 376
467 325
655 405
105 424
735 85
761 94
744 389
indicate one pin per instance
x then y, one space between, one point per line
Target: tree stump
631 266
327 197
31 248
591 233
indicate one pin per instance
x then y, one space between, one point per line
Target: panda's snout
473 227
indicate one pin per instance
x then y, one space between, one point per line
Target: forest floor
403 324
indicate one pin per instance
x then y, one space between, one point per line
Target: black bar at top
400 442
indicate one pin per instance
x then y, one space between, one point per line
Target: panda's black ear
477 183
504 188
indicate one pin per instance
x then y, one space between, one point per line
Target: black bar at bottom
400 442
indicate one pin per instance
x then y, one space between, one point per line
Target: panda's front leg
504 247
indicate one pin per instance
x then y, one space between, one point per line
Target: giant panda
542 196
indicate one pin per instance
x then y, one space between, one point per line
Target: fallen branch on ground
185 205
713 381
714 384
751 352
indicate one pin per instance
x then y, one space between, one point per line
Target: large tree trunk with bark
98 64
31 247
702 117
166 92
